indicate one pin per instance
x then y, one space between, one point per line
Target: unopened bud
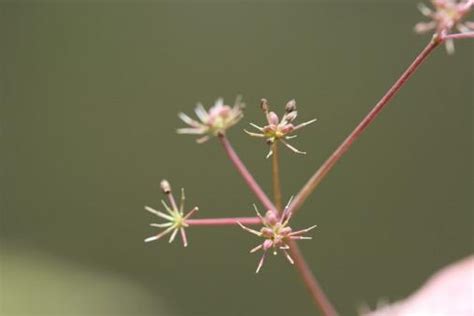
271 218
291 116
264 105
290 106
165 186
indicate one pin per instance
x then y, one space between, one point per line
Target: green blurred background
89 96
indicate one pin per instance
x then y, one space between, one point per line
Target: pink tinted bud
267 244
285 231
267 129
271 218
266 232
287 128
272 118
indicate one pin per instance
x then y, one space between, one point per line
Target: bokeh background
89 96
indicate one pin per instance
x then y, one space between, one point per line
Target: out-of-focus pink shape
449 292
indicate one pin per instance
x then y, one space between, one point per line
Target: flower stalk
457 36
276 177
319 175
244 172
317 294
229 221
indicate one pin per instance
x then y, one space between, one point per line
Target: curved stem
313 182
276 177
244 172
223 221
317 294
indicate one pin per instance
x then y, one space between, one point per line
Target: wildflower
176 220
276 233
214 122
446 15
279 129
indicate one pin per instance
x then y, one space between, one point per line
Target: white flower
214 122
175 217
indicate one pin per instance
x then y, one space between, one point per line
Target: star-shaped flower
175 217
279 130
214 122
446 15
276 233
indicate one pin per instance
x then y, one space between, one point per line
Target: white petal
186 119
158 213
201 112
192 131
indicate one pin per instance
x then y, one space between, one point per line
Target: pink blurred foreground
449 292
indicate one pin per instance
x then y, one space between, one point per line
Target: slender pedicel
319 175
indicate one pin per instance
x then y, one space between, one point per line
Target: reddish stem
319 298
313 182
459 36
308 278
223 221
253 185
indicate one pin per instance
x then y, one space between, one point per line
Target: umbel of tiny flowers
276 233
175 217
446 15
214 122
279 130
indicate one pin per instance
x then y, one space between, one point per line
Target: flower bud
290 117
273 118
286 230
267 244
165 186
266 232
290 106
264 105
271 218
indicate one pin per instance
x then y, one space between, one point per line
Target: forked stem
276 177
223 221
459 36
313 182
307 276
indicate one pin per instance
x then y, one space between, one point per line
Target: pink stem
223 221
319 298
253 185
313 182
459 36
307 276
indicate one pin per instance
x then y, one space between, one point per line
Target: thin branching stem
307 276
319 175
276 177
244 172
224 221
459 36
317 294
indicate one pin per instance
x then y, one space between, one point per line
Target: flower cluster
176 220
214 122
446 15
276 233
279 130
